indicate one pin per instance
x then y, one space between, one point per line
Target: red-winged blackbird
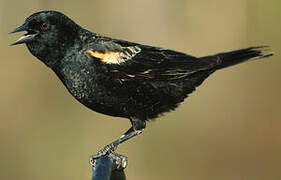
120 78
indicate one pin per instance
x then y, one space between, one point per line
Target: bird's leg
137 128
112 146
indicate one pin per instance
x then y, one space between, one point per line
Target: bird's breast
78 82
88 87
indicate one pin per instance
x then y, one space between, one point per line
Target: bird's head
48 34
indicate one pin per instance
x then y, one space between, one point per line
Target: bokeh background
228 129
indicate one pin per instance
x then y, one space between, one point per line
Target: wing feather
131 61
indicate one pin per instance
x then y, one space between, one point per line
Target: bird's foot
119 161
108 149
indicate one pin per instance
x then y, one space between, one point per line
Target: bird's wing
131 61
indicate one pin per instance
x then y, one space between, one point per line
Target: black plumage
121 78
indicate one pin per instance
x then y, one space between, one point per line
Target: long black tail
242 55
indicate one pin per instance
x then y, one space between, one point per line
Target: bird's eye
44 26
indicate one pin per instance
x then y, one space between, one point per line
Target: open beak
25 38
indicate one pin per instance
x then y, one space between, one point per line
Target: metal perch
109 167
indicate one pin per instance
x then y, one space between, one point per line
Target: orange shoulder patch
107 57
115 57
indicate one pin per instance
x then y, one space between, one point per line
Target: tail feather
242 55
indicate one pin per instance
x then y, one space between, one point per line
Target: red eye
44 26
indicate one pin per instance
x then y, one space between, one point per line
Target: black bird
117 77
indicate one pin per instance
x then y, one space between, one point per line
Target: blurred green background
228 129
